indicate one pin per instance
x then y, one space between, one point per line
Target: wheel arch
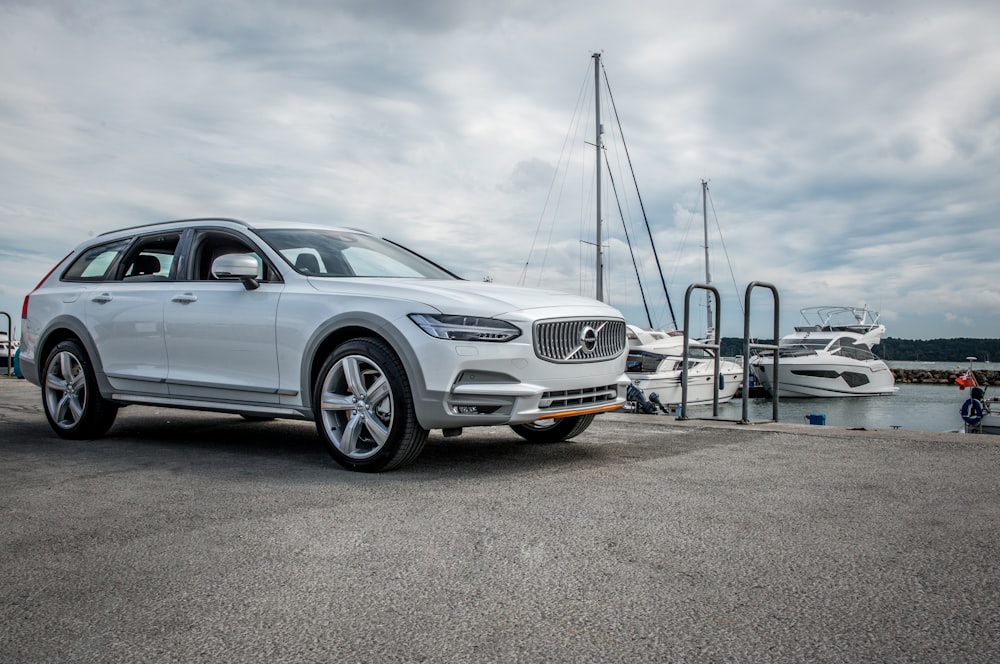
357 326
63 328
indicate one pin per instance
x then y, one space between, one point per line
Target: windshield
856 351
803 343
331 253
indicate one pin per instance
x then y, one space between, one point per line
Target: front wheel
553 430
73 404
364 408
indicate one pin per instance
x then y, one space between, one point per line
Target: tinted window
814 344
151 258
94 263
855 351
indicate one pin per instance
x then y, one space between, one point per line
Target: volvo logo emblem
588 339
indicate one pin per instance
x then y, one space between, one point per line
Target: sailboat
656 363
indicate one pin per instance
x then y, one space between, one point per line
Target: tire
71 399
364 408
553 430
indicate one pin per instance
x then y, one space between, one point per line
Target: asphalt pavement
198 537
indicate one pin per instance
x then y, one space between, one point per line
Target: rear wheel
364 408
73 404
553 430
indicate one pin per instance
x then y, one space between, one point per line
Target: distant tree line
911 350
939 350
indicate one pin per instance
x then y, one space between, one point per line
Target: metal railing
715 344
10 344
748 347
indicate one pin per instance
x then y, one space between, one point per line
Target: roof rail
176 221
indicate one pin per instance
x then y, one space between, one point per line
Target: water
914 407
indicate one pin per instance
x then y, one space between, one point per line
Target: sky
851 149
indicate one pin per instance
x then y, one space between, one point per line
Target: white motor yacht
831 356
656 362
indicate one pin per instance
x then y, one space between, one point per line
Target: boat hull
990 424
824 378
668 387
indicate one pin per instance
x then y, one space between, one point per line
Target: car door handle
184 298
102 298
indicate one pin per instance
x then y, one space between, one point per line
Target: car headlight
466 328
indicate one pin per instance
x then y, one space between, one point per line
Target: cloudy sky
852 149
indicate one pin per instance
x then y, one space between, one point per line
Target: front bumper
485 398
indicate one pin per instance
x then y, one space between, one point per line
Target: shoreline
943 377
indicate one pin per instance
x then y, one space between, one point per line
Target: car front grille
579 339
587 396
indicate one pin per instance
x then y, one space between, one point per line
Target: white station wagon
374 343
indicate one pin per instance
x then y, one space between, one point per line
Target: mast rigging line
642 207
628 240
559 179
572 130
722 240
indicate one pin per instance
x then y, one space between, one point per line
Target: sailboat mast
708 271
598 243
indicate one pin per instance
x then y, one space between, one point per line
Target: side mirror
237 266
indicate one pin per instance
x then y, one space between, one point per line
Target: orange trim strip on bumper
583 411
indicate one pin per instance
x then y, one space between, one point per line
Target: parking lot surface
184 536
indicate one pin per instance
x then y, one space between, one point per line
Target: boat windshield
846 348
335 253
803 343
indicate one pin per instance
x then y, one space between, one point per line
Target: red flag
968 379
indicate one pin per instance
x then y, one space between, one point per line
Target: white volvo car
374 343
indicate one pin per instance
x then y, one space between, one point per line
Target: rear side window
152 258
94 263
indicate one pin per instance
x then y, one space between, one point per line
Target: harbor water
914 407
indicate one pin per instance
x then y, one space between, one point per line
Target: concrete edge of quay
819 431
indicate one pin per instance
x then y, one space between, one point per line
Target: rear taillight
24 307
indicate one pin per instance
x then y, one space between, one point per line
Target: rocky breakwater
938 376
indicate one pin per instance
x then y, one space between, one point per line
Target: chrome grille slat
562 341
587 396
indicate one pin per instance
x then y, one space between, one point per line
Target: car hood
470 298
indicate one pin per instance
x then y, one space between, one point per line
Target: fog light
481 409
